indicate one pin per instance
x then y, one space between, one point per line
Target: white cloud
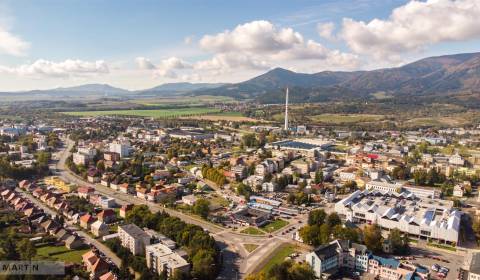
11 44
229 61
166 68
67 68
325 30
144 63
261 45
414 26
256 36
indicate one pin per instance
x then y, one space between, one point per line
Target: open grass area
161 113
278 256
250 247
60 253
346 118
274 225
252 231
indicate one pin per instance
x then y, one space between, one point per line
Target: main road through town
237 262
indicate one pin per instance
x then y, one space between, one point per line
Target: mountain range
459 73
433 76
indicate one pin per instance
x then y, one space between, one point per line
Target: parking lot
428 257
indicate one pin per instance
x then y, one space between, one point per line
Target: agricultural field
224 116
182 100
160 113
346 118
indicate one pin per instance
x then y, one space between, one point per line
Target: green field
274 225
182 100
346 118
278 256
252 231
161 113
60 253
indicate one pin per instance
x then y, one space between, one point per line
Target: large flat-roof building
419 217
160 258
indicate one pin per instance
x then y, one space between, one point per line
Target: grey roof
326 251
134 230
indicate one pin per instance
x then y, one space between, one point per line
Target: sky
141 44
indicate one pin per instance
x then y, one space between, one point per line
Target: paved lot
424 257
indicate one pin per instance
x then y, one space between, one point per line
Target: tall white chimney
286 111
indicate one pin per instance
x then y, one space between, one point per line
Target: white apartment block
160 258
419 217
79 158
133 238
120 147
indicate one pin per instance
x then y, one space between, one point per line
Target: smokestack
286 110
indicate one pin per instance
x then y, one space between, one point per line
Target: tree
398 242
203 265
10 250
249 140
373 237
316 217
324 234
27 249
318 177
310 234
202 208
333 220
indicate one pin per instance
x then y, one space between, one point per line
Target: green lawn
274 225
252 231
278 256
161 113
60 253
346 118
250 247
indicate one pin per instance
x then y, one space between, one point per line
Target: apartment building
133 238
161 259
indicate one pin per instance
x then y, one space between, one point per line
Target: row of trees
372 237
322 228
9 170
214 175
201 248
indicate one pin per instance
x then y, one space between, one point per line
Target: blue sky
139 44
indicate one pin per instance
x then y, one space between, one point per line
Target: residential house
124 210
74 242
99 228
107 216
86 221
